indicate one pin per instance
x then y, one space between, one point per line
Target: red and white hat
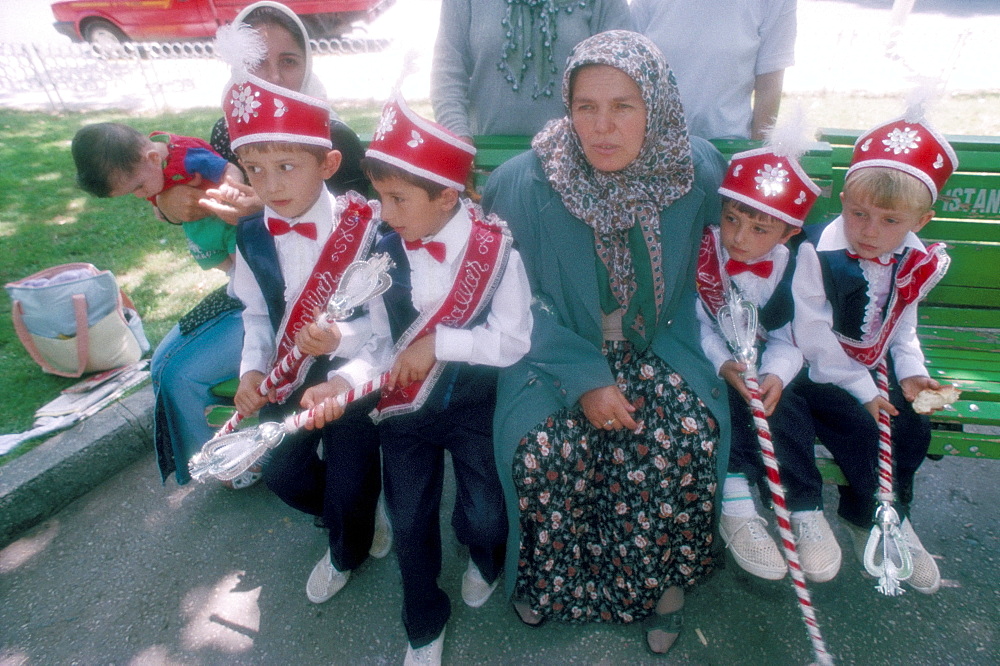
420 147
911 147
258 111
771 183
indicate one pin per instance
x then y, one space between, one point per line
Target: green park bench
960 320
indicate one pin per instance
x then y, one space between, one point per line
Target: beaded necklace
530 31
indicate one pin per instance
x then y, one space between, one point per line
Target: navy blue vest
256 244
780 307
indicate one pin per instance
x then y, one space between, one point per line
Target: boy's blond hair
889 188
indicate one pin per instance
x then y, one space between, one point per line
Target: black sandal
669 623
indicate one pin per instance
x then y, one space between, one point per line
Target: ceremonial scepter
738 321
227 456
886 529
361 282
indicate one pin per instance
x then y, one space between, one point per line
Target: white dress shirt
500 341
813 322
297 257
780 357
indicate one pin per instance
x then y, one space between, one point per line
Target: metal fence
68 77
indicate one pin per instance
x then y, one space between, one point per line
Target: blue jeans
184 369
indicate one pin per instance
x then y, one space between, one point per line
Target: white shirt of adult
716 49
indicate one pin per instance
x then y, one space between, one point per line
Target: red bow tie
877 260
435 248
279 227
761 269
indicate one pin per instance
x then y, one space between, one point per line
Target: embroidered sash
710 280
917 274
479 273
350 241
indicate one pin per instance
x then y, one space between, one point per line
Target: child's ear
331 163
154 156
924 219
789 232
448 198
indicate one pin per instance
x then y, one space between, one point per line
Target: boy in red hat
766 198
289 262
856 288
466 313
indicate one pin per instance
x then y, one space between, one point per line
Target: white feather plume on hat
241 47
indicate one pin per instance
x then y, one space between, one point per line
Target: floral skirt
611 519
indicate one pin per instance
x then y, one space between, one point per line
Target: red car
110 22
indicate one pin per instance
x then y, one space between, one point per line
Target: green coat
565 360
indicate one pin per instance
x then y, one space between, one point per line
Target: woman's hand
608 409
248 398
413 363
231 200
323 394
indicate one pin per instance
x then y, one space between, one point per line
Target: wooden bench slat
970 411
960 338
935 314
964 444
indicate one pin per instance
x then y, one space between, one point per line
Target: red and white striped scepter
361 282
886 538
738 321
227 456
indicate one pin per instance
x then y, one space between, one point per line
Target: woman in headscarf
608 434
204 349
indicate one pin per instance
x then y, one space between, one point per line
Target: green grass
45 220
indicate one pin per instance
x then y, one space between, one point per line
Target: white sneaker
926 578
752 547
246 479
819 552
475 590
428 655
325 581
382 539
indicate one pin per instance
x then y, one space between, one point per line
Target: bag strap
82 337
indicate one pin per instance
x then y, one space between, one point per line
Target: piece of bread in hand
930 400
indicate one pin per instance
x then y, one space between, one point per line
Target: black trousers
457 418
342 487
793 448
846 428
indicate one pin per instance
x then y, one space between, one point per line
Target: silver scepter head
738 322
361 282
228 456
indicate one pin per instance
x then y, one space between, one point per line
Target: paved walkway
139 573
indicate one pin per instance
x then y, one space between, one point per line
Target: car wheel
105 38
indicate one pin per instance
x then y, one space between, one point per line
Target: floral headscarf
612 203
